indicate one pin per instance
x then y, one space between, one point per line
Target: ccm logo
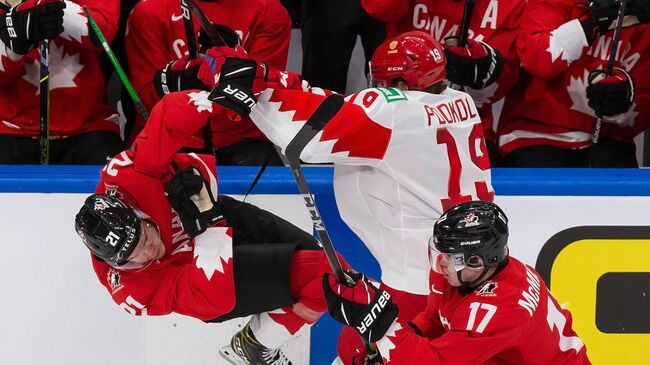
370 318
240 95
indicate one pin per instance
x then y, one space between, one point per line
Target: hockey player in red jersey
163 240
83 129
403 153
486 68
484 307
156 36
564 46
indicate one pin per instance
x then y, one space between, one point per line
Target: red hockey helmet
415 57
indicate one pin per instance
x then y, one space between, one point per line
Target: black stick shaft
610 68
617 37
464 25
323 114
44 87
190 38
193 52
206 24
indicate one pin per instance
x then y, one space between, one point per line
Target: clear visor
148 249
375 83
457 261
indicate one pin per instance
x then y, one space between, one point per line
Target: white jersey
401 159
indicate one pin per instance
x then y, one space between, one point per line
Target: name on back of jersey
450 111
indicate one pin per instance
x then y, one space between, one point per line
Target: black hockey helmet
476 228
108 227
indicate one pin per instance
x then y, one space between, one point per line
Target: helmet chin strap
465 287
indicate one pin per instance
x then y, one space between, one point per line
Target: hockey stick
323 114
44 85
193 52
610 69
206 24
120 72
192 49
464 25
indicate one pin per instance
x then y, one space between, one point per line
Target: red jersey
76 81
549 106
492 22
156 36
194 277
511 318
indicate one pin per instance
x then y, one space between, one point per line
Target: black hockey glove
476 65
229 36
368 309
610 95
600 14
31 22
640 8
178 75
190 196
234 74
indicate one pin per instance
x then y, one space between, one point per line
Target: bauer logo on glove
369 310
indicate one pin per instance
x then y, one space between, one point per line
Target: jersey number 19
482 161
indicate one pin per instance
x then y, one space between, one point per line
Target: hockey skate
244 349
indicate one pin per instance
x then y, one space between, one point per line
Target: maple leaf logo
558 45
385 347
482 96
200 101
578 94
577 90
212 249
63 69
75 24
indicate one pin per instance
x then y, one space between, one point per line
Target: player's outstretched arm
352 136
175 119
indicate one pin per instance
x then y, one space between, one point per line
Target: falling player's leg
261 338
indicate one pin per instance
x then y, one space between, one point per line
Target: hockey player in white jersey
404 152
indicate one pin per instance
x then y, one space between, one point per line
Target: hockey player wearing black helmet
163 240
484 306
116 233
469 243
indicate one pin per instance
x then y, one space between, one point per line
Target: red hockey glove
231 73
277 79
368 309
31 22
179 75
598 17
610 95
190 196
213 61
476 65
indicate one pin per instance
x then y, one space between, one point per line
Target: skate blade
229 354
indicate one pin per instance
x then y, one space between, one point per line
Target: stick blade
318 120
